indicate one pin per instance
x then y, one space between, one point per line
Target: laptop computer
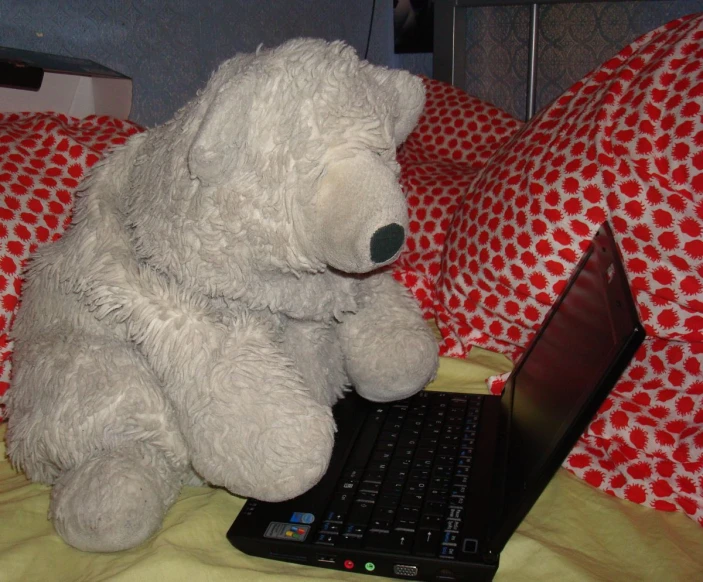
433 486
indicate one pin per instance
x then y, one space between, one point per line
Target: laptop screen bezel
513 501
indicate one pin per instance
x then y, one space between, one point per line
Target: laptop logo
287 531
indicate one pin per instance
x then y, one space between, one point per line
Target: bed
628 501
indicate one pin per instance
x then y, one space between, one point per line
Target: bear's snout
360 217
386 242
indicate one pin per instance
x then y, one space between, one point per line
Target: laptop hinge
491 550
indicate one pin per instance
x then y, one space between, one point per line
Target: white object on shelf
31 81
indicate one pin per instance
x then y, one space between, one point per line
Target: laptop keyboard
404 485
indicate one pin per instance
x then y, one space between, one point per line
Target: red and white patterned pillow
43 157
624 144
455 137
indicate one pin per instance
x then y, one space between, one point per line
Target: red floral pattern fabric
455 137
43 157
624 144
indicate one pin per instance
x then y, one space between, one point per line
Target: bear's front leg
390 351
250 422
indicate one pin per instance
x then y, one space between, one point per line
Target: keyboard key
422 464
401 463
389 436
427 542
395 541
406 525
352 542
416 488
403 453
385 446
381 456
352 475
429 442
374 477
398 474
411 514
434 508
384 514
348 485
460 481
443 471
425 453
436 495
462 471
409 440
366 497
449 538
326 539
446 449
334 517
369 487
393 487
440 482
448 552
431 433
388 500
352 530
378 466
380 525
457 500
413 499
458 490
433 522
451 439
360 513
342 500
330 528
420 475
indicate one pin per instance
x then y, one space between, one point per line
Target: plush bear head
284 163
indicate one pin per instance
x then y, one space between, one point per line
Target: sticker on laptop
300 517
287 531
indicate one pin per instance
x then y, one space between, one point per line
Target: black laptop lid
584 345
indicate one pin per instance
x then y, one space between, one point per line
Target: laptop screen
561 371
566 373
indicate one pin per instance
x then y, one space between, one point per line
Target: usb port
326 559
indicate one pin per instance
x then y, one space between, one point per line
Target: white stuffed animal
219 287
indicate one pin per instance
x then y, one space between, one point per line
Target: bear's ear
409 99
222 133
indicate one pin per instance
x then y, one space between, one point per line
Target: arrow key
427 542
395 541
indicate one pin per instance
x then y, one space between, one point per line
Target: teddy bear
221 286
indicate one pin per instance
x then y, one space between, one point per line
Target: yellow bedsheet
574 532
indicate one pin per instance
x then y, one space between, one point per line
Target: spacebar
367 438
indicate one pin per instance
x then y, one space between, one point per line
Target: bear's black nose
386 242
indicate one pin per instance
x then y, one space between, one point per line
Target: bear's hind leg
114 500
87 416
